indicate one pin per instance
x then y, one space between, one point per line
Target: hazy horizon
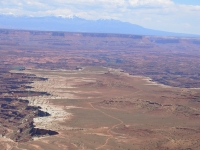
177 16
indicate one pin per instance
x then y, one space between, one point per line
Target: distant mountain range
76 24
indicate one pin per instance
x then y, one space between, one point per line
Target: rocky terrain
97 108
16 116
171 61
98 91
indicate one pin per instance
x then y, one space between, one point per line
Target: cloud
187 25
150 2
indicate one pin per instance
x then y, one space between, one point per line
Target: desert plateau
69 91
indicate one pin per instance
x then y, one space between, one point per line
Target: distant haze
76 24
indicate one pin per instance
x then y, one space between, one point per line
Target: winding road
108 131
114 126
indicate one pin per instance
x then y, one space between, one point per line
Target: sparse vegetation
84 90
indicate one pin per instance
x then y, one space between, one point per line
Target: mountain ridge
76 24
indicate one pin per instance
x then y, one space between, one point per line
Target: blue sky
168 15
188 2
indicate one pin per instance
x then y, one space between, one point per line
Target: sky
181 16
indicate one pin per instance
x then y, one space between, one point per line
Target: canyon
98 91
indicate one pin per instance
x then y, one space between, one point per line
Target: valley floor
103 108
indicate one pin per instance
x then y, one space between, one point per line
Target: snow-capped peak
71 16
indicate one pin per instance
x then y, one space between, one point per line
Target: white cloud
150 2
187 25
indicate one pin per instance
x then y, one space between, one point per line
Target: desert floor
103 108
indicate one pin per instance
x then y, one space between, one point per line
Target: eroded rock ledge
16 116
